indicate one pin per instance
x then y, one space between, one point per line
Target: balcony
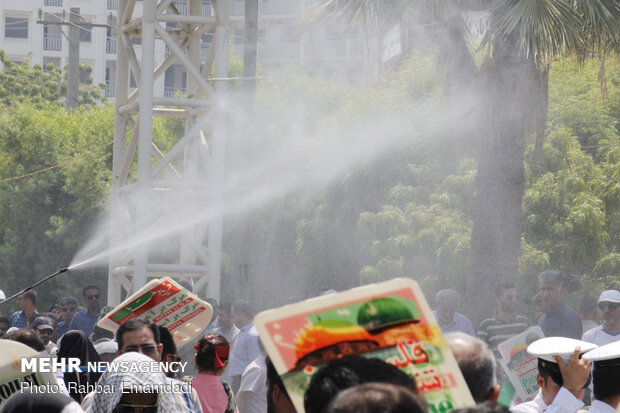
172 91
110 89
110 46
112 5
52 42
56 3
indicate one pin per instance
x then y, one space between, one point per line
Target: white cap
607 352
547 347
611 296
2 296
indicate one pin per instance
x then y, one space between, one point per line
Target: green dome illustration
383 312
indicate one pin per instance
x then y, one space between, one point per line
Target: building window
16 27
85 34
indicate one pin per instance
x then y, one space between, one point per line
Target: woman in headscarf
75 343
28 401
124 386
211 359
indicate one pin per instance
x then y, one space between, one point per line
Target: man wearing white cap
562 376
609 311
605 377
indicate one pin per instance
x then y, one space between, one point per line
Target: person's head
349 371
32 400
609 310
5 323
587 308
92 298
606 372
241 314
506 298
44 328
477 365
27 301
552 286
55 308
54 319
68 308
139 335
547 379
376 398
131 389
278 400
224 315
212 354
486 407
28 337
446 302
169 349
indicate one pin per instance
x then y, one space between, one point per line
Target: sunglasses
93 297
135 408
66 309
612 306
146 349
46 332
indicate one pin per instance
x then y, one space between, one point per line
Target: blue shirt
63 327
19 319
82 320
561 321
459 323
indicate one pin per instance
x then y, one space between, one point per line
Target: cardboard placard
390 320
166 303
12 378
521 367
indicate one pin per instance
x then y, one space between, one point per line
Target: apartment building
336 49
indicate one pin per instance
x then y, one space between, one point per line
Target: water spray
34 285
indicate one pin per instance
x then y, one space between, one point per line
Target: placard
391 321
166 303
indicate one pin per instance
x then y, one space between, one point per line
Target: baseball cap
611 296
42 323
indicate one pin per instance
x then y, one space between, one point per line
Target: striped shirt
493 331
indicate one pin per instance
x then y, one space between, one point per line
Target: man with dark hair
28 337
605 377
278 400
68 308
562 376
588 312
245 348
44 327
377 398
169 351
507 323
85 320
349 371
142 336
477 365
5 324
559 319
27 302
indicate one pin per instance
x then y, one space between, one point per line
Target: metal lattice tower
143 174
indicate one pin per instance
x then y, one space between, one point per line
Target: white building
326 50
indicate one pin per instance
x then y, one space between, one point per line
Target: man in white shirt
609 311
245 348
252 394
562 384
605 377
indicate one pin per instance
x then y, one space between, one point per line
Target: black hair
347 372
32 296
68 301
167 342
5 319
377 398
499 290
54 307
606 376
90 287
274 378
205 355
28 337
133 325
486 407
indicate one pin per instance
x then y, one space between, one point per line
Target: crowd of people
226 370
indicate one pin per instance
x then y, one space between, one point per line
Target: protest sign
521 367
12 374
391 321
166 303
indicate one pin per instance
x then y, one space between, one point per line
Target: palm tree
523 38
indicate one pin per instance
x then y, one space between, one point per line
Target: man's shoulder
591 334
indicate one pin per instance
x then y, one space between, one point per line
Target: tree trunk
496 234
